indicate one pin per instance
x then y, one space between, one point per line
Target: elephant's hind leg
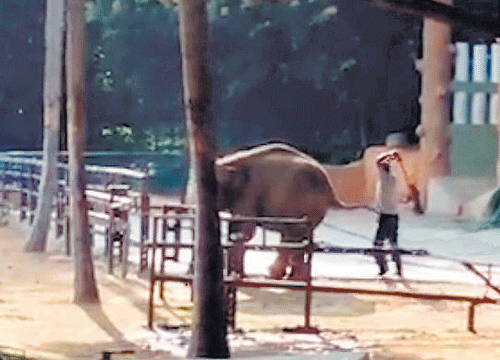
277 270
289 259
299 269
239 234
236 256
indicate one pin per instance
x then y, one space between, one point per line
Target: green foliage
296 71
22 51
134 73
278 70
274 64
491 217
134 76
288 40
340 149
169 141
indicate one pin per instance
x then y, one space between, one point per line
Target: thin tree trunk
208 338
54 30
85 284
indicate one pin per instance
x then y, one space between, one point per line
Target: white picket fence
477 72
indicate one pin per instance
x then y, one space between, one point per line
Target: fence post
163 239
470 322
308 294
32 192
3 167
144 214
152 277
126 241
23 194
66 215
60 206
230 290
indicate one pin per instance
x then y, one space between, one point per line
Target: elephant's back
293 187
260 153
280 181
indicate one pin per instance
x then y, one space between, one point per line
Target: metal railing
238 279
20 176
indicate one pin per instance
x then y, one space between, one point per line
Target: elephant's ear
235 177
223 173
232 181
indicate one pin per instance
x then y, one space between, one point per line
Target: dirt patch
39 318
277 301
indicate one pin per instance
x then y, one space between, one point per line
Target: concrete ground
39 319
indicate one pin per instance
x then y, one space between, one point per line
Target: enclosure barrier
108 212
229 247
477 72
234 280
114 192
171 216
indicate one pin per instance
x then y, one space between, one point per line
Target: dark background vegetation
330 76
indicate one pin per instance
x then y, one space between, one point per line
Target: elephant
275 180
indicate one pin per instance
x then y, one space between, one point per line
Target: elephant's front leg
293 259
277 270
289 259
299 269
239 234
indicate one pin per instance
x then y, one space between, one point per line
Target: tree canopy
296 71
306 71
22 62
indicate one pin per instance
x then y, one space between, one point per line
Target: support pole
470 324
152 277
144 214
308 292
435 98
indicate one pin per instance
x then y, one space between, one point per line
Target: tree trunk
54 30
208 338
85 285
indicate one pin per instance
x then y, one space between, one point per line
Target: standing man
387 201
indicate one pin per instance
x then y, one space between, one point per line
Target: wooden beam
301 286
438 11
474 87
484 278
309 289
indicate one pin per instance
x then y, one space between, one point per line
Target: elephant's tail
337 203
